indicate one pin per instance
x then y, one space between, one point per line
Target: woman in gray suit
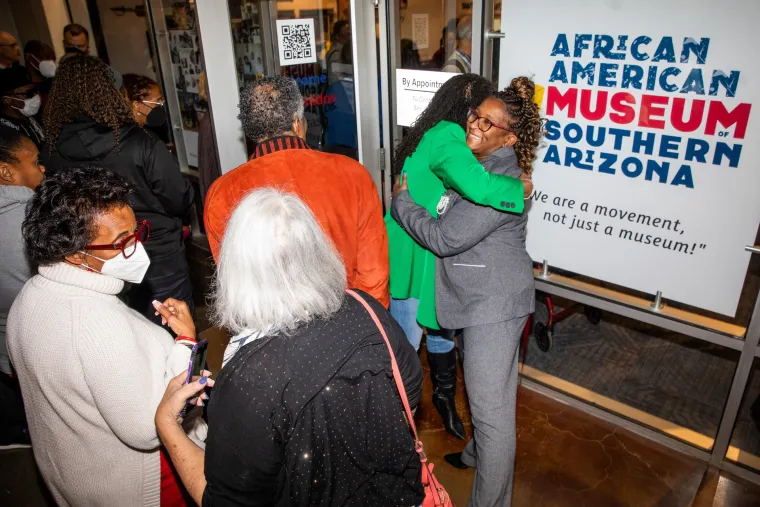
484 283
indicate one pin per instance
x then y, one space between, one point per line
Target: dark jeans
165 279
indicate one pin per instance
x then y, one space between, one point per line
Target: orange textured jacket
338 190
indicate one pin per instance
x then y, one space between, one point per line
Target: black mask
157 117
73 50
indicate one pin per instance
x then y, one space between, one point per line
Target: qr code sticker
296 41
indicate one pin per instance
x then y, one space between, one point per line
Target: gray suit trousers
490 373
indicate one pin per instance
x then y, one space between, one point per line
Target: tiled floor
565 458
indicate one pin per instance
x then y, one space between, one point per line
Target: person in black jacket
305 411
88 120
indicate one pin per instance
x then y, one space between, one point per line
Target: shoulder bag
435 494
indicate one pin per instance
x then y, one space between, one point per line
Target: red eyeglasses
128 245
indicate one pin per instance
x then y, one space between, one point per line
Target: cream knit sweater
92 373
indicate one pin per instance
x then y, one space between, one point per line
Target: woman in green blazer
435 157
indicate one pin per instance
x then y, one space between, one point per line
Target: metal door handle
495 35
753 249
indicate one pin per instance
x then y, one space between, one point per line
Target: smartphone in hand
197 364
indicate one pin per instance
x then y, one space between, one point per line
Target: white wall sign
295 40
650 174
414 89
420 30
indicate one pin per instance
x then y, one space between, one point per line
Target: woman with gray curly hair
305 410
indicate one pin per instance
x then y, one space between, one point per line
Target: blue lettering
552 155
661 170
694 83
619 134
696 149
665 51
632 75
573 133
638 168
553 130
651 77
669 146
607 74
607 160
587 72
733 153
599 139
561 46
581 43
729 82
683 177
559 73
640 41
603 45
698 48
573 158
639 142
664 84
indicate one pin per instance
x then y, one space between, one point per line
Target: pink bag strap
394 364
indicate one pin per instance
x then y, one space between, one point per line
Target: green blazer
442 160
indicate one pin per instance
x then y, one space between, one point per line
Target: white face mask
31 106
47 68
130 270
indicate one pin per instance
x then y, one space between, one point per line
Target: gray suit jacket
484 274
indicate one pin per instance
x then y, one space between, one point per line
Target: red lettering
650 110
695 117
739 116
569 100
621 103
601 105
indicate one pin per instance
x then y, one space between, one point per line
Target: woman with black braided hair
89 121
484 283
435 156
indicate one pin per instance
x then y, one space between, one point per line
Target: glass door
311 42
180 60
428 42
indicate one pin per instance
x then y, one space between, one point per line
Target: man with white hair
338 190
460 60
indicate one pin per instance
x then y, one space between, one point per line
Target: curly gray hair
269 106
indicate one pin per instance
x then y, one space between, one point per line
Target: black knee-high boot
443 374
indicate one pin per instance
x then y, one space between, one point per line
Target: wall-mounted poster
295 40
651 166
420 30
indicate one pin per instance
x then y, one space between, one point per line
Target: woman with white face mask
39 60
76 345
21 102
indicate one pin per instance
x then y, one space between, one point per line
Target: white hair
277 269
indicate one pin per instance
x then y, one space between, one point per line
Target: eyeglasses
128 245
484 124
153 102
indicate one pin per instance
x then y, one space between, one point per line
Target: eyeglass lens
484 124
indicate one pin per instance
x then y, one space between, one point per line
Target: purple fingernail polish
203 380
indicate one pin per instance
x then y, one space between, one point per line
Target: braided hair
84 85
524 119
451 103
